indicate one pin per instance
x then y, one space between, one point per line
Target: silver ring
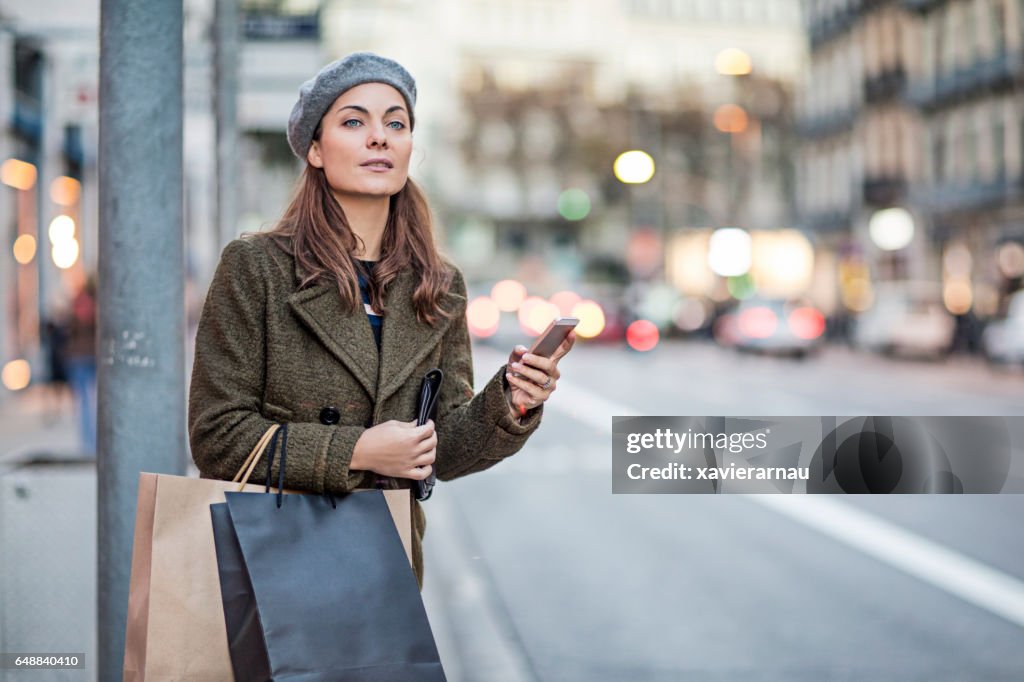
547 383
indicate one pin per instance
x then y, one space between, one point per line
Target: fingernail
527 356
516 365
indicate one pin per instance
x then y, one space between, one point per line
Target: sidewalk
34 424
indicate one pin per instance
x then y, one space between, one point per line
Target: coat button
330 416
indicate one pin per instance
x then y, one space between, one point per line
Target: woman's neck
367 217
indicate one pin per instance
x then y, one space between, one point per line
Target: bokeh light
758 323
957 261
891 229
65 253
1011 259
535 314
565 301
25 249
733 61
642 335
18 174
573 204
482 316
634 167
65 191
508 294
958 296
62 228
731 118
782 263
591 318
857 294
16 375
741 287
691 314
807 323
729 252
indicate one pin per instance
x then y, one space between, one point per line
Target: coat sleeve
474 431
226 393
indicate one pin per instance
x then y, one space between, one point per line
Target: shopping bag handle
254 457
270 462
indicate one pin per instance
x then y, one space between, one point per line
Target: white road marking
974 582
983 586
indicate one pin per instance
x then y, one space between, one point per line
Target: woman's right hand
397 449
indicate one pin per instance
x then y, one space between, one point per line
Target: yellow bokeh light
591 319
535 314
18 174
733 62
65 191
65 253
731 118
508 294
16 375
25 249
62 228
857 294
482 316
634 167
958 296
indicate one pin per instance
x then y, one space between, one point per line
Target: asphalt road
537 572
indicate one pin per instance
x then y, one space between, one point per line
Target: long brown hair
315 231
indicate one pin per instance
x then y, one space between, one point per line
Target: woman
330 321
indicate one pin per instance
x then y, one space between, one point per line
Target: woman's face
367 123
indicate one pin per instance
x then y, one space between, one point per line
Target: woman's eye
399 126
352 120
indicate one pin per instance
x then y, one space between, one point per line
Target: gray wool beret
318 93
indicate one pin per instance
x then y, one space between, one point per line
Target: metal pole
225 28
42 162
141 352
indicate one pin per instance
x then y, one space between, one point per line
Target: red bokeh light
807 323
642 335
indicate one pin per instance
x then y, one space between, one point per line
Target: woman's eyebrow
365 111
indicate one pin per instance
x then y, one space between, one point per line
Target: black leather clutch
427 409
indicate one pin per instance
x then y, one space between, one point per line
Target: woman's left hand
537 375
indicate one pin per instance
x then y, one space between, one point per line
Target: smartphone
548 342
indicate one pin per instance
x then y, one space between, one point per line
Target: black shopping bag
319 588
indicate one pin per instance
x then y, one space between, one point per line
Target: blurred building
520 101
916 105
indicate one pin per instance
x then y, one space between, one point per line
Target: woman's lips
376 167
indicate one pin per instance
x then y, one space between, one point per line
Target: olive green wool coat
269 352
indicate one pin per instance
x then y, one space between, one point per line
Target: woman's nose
378 139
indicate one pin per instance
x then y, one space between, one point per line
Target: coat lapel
405 341
346 334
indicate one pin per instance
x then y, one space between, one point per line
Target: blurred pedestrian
81 361
56 339
329 321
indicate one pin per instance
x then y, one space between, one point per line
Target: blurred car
783 327
907 318
1003 340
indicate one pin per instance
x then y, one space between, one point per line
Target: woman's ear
313 155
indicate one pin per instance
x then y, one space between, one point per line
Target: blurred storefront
48 189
